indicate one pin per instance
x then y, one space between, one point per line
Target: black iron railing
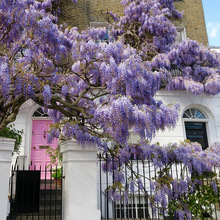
137 204
35 194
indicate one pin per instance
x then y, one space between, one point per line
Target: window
181 34
195 126
193 113
102 25
40 113
175 72
135 208
19 54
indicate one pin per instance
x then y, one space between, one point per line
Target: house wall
86 11
193 20
209 105
217 49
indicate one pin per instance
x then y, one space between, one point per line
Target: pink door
39 146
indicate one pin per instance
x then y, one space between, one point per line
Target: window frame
182 31
41 115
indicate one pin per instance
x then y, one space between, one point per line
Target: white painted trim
41 119
182 31
195 120
99 24
6 148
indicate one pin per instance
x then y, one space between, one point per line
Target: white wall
24 122
209 105
217 49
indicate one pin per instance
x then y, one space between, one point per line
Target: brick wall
87 11
193 20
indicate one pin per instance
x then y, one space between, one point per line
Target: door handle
45 134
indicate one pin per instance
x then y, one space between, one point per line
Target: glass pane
187 114
196 132
193 113
199 114
40 113
179 36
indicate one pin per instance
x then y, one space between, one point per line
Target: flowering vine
97 92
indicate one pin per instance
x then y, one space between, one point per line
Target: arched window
195 126
40 113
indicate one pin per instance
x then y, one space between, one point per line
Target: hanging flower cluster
146 24
198 65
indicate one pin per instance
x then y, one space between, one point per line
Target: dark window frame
195 126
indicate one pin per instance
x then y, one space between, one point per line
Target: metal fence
34 194
138 205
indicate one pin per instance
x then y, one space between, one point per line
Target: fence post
6 148
80 182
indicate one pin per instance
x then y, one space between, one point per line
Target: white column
6 148
80 182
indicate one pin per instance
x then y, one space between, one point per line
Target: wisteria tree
95 91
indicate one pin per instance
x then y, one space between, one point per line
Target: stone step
50 207
50 202
58 217
46 192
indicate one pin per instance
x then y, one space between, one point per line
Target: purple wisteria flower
214 186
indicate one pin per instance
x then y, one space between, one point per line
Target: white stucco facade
209 105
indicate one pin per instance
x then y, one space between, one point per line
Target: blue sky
212 18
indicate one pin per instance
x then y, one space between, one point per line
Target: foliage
55 165
201 196
198 201
56 156
57 173
11 132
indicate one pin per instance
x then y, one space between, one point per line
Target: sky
212 18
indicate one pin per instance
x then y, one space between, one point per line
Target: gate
35 195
